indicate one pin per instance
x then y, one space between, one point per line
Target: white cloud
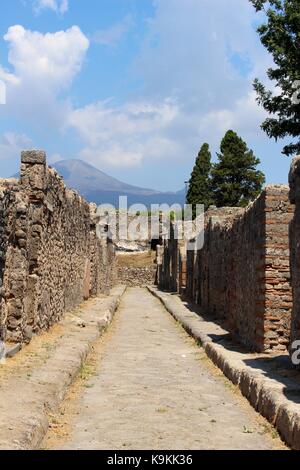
11 145
59 6
113 35
53 57
244 116
203 55
191 52
123 136
189 61
7 77
196 64
43 65
54 158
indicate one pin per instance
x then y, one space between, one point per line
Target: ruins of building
294 181
50 257
241 275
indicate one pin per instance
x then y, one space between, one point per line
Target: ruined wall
182 270
53 259
241 275
133 232
136 277
207 268
243 270
136 269
266 259
294 180
2 254
8 190
103 265
168 262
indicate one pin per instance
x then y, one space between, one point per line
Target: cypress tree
199 185
235 178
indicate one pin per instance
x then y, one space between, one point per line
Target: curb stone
266 395
25 425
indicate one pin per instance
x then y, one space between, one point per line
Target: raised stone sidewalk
33 383
268 381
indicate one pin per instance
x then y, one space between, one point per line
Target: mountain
96 186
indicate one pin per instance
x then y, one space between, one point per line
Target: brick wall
241 275
52 257
294 180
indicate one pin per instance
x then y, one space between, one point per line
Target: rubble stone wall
8 190
168 256
136 277
136 269
53 259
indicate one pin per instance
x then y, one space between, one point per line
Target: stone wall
136 277
103 263
168 262
133 232
52 257
8 191
294 180
241 275
136 269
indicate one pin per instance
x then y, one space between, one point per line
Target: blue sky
133 87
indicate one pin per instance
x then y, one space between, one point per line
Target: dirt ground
136 260
35 381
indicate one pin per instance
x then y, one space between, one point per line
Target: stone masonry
241 276
294 180
168 262
136 269
50 257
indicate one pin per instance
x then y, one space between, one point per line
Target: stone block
37 157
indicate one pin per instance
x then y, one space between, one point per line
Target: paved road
154 388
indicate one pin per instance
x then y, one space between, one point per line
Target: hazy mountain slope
96 186
80 175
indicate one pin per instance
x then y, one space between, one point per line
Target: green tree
199 185
235 179
281 37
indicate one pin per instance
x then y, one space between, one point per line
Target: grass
137 260
247 430
162 410
267 428
48 346
87 371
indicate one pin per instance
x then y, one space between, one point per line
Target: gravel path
152 387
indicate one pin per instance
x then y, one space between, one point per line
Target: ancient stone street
148 385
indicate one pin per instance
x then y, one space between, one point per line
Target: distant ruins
50 257
247 275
